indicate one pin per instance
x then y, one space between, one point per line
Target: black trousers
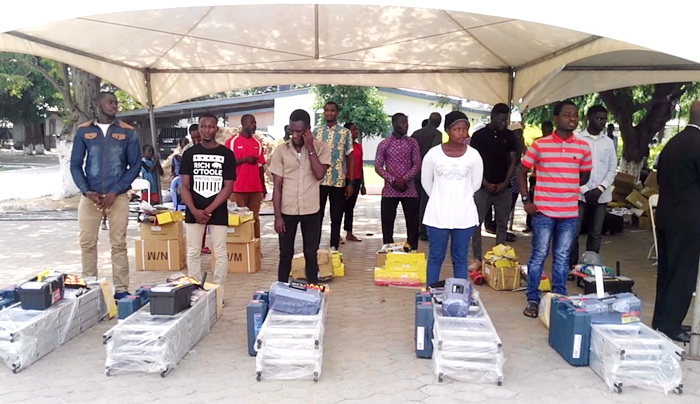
350 206
679 253
423 203
591 216
337 198
310 235
411 209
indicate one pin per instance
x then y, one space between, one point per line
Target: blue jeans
437 247
561 232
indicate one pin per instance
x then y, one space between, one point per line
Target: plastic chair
653 202
173 193
140 184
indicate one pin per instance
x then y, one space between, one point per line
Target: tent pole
152 124
511 86
694 353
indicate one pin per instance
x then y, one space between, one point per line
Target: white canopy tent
491 52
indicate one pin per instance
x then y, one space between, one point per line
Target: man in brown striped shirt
563 164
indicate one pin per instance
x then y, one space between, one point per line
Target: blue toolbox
256 311
457 297
295 298
424 325
569 331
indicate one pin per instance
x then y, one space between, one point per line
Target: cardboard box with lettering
243 258
170 231
638 201
243 233
160 255
501 278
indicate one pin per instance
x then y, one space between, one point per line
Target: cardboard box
219 297
647 192
169 217
242 257
325 266
651 181
243 233
501 278
618 197
160 255
380 260
624 183
236 219
170 231
638 201
545 307
645 222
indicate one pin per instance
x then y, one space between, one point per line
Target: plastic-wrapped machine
467 348
28 335
635 355
457 297
156 343
290 346
295 298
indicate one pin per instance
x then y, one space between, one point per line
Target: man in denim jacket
106 159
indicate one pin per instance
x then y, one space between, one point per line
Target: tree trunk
33 138
636 138
85 87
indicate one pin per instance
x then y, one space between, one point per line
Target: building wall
284 107
265 119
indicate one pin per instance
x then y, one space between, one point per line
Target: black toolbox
171 298
611 284
42 292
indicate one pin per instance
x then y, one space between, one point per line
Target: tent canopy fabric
486 52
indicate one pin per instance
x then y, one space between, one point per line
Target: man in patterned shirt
563 164
398 161
333 185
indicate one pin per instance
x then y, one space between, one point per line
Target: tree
641 113
360 105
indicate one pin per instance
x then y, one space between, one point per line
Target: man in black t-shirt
208 170
497 146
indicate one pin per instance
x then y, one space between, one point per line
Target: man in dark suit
678 228
427 137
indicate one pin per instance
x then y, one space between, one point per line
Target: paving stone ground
368 353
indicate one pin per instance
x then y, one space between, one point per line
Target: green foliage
361 105
25 95
537 115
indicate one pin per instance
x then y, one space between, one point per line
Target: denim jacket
112 161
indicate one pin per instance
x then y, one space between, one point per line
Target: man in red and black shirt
563 164
249 187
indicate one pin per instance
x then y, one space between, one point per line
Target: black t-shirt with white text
208 169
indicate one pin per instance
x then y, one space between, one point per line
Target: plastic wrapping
287 299
28 335
635 355
458 297
291 346
467 348
156 343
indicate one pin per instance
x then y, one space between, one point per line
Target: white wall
284 107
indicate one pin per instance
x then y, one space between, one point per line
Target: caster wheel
499 383
440 378
315 376
618 388
679 390
258 376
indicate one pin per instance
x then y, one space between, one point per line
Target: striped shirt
559 165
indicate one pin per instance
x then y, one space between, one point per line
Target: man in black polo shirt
497 146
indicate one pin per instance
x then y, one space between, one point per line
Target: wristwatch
524 198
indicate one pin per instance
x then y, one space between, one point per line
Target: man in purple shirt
398 161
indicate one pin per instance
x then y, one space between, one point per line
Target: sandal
532 310
352 237
206 250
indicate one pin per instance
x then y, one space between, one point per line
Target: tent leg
694 352
152 124
511 87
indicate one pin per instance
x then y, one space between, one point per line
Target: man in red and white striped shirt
563 164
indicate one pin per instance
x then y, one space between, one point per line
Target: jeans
592 216
251 200
350 205
311 236
437 247
337 197
89 219
217 234
501 204
411 209
561 232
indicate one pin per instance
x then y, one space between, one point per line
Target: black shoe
510 237
680 336
686 328
528 229
423 238
490 231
